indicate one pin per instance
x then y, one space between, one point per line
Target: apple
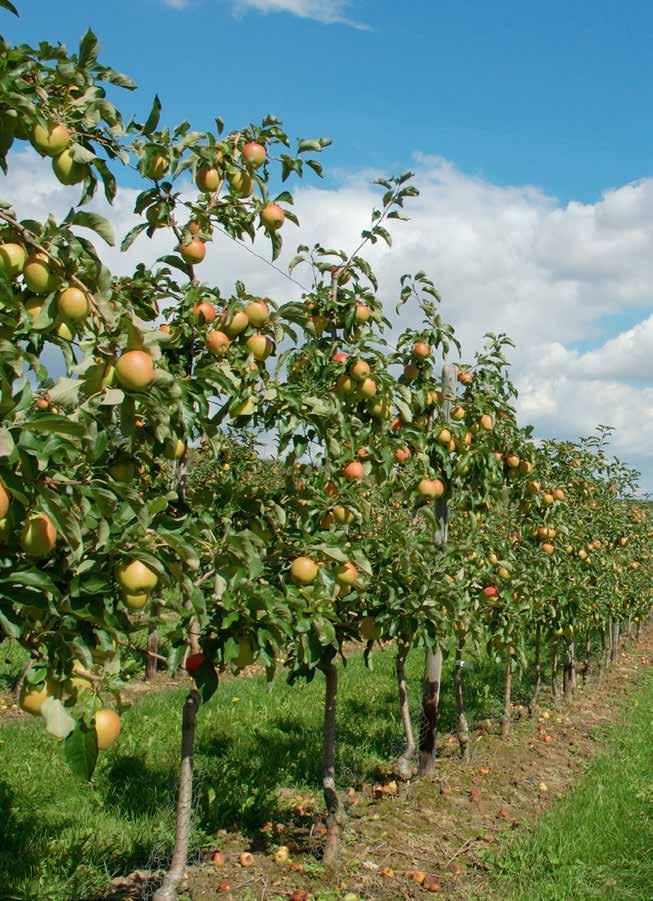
503 573
410 372
68 170
135 577
282 854
421 350
73 304
193 663
12 259
241 183
430 488
193 251
246 859
107 727
525 467
346 574
254 154
204 311
39 535
368 388
402 454
217 859
224 887
342 515
64 331
512 461
4 501
39 274
548 548
340 357
363 313
344 385
490 591
486 422
156 216
217 342
260 346
31 699
246 408
135 370
156 167
298 895
360 370
175 449
559 494
547 498
533 487
457 413
303 571
444 437
52 139
236 324
369 629
208 179
257 312
353 471
465 378
135 601
272 217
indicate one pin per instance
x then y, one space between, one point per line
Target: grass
60 839
597 842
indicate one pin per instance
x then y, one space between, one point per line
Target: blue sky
557 94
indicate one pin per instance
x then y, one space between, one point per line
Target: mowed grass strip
597 842
60 839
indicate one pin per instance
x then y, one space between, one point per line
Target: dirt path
446 827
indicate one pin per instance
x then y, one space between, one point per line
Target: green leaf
6 443
80 749
5 4
88 50
96 223
53 423
58 721
316 144
153 118
32 579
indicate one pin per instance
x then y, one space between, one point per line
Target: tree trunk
638 629
430 708
507 698
567 684
538 667
404 767
605 653
463 728
614 649
175 874
330 858
152 647
554 671
588 657
629 628
572 665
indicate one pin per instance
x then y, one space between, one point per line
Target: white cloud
506 259
177 4
329 12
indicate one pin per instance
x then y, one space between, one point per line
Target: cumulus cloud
505 259
328 12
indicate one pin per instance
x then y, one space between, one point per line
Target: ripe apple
135 370
241 183
360 370
362 314
465 378
421 350
4 501
175 449
369 629
368 388
135 601
559 494
344 385
39 535
346 574
548 548
50 140
342 515
193 663
12 259
217 342
410 372
156 167
207 179
31 699
458 413
547 498
135 577
298 895
193 251
257 312
272 217
490 592
503 573
40 275
282 854
512 461
340 357
73 304
353 471
533 487
217 859
68 170
236 324
486 422
444 437
303 571
254 154
525 467
204 311
260 346
430 488
107 727
402 454
246 859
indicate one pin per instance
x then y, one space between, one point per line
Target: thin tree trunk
507 697
554 671
614 649
175 874
404 761
603 656
567 684
588 657
330 858
430 708
152 647
463 728
629 628
638 629
572 665
538 667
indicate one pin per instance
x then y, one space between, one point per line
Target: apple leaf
96 223
153 118
6 441
206 680
81 751
88 50
5 4
58 721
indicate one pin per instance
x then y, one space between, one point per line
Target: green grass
60 839
596 843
